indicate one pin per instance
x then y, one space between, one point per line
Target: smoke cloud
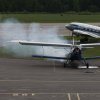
11 29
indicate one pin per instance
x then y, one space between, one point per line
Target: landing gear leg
87 65
64 65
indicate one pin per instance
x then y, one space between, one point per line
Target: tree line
50 6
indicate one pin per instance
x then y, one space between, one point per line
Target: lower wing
53 57
50 57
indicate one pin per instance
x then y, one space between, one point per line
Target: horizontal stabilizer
50 57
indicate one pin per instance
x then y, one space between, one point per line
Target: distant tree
76 5
93 8
53 6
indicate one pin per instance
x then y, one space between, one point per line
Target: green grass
86 52
51 18
5 53
92 52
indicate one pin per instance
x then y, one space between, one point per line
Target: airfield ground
46 80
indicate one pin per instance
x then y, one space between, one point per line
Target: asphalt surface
47 80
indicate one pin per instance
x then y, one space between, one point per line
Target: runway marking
69 96
89 93
48 81
78 97
24 94
54 94
15 94
33 94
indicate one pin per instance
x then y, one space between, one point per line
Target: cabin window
94 30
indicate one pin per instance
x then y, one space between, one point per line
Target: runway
46 80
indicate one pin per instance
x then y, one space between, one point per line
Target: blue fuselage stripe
87 30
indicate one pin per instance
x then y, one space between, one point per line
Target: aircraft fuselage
84 29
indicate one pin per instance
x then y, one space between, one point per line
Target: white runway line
69 96
94 67
78 97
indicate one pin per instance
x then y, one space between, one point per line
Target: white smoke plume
11 29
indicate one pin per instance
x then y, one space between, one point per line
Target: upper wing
90 45
44 44
87 33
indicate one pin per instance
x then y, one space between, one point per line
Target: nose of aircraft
67 26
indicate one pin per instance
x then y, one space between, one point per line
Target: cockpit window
74 25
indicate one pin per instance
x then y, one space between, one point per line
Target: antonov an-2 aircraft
75 53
